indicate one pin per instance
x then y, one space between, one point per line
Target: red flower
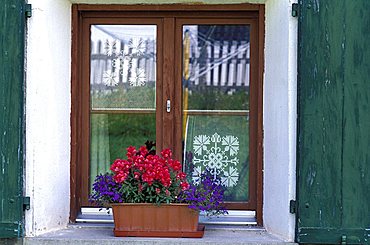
131 151
176 165
184 185
181 176
143 151
120 177
166 153
136 175
144 170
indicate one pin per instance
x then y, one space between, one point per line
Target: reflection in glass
122 91
123 66
216 105
111 134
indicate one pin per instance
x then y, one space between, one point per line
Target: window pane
123 66
111 134
216 105
122 91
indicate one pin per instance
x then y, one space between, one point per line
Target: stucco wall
48 113
280 103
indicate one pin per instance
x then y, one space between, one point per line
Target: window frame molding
80 12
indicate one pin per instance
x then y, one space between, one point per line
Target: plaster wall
280 112
47 115
48 103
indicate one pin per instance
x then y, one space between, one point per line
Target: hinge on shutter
292 206
295 9
26 203
28 10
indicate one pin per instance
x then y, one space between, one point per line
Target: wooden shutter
334 122
11 117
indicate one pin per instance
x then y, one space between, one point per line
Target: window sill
103 234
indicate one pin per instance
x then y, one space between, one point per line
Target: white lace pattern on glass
136 49
219 155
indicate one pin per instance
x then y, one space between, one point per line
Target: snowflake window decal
110 78
110 47
219 155
137 47
138 78
200 143
197 175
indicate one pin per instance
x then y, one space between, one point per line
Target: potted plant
150 195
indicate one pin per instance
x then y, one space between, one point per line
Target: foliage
124 97
122 130
214 98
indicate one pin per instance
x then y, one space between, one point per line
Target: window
190 80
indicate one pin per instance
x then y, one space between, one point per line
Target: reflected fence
223 65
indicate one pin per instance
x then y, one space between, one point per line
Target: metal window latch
168 106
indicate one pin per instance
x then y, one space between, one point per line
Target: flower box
149 220
151 196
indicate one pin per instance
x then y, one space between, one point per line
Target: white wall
279 111
48 113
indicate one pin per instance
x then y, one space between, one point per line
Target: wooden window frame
84 14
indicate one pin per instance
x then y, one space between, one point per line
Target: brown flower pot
149 220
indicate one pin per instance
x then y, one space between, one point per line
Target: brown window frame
171 17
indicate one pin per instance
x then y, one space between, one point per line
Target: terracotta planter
149 220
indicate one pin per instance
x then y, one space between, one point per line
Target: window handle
168 107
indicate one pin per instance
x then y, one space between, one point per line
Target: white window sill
90 234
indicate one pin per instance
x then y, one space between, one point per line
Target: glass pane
123 66
111 134
122 91
216 105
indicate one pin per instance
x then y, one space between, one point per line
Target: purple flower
207 196
105 190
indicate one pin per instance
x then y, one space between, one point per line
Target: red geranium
147 177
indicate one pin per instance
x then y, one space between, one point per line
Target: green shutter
11 117
333 166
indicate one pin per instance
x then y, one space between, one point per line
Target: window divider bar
218 112
121 111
